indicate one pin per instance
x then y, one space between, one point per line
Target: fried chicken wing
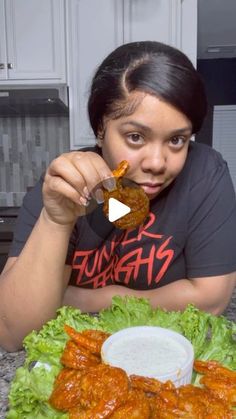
189 402
136 406
77 357
134 198
66 391
102 410
121 170
103 383
146 384
221 386
192 398
92 340
64 374
94 392
102 390
218 379
215 368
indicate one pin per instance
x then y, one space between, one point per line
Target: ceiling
216 29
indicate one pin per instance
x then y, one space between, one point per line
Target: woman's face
154 140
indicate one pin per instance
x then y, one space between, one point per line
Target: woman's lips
151 188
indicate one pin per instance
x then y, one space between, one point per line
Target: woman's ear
99 138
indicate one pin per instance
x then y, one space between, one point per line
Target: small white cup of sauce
153 352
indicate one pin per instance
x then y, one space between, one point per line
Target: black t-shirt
190 232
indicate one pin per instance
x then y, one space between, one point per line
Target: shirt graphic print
125 258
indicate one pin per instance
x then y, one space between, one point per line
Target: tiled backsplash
27 145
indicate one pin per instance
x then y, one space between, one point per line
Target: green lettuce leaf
29 394
125 312
166 319
195 326
220 344
47 344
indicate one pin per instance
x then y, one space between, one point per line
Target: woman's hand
68 184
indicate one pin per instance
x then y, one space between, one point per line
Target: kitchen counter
8 217
9 362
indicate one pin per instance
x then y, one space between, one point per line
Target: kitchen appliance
32 102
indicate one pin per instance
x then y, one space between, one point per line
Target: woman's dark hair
150 67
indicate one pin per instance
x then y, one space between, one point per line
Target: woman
146 101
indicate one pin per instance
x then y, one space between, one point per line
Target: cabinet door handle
10 66
2 66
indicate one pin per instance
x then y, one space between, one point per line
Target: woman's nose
154 160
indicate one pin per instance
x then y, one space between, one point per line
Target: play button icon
124 208
116 209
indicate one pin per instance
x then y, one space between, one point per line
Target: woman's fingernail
86 193
109 183
84 201
99 196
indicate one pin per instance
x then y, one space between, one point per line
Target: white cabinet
32 42
96 27
159 20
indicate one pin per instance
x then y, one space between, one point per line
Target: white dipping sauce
149 356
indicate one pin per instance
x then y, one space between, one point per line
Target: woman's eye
177 142
135 138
